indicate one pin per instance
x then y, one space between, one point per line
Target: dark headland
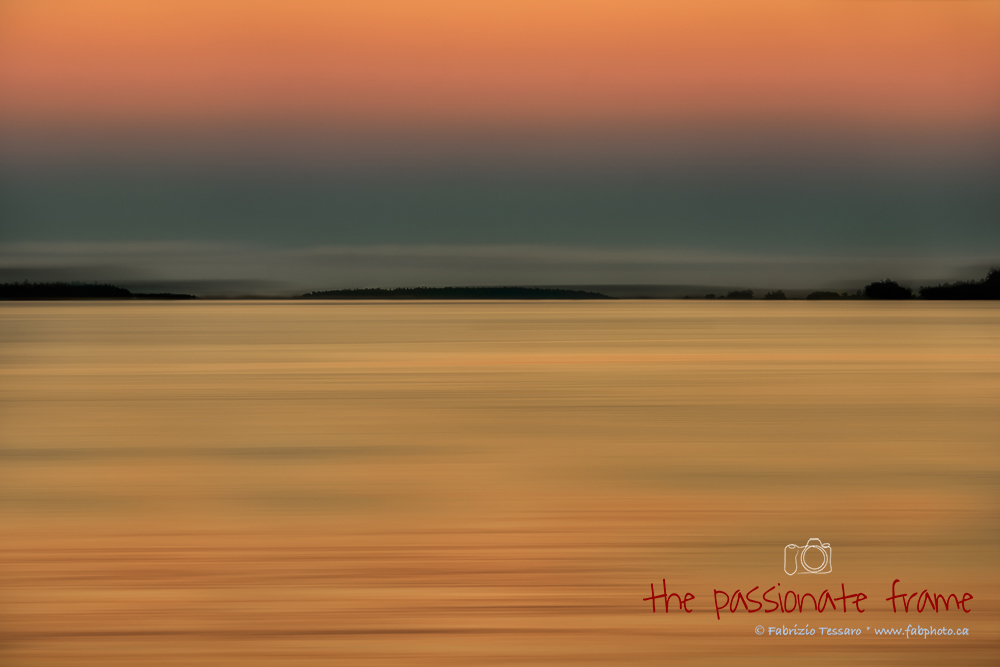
61 291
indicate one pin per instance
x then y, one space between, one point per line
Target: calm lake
288 483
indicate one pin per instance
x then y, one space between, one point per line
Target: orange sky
488 62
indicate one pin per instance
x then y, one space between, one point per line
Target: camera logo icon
815 557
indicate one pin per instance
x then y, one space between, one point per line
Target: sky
287 145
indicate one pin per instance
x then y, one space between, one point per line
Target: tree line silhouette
987 288
889 290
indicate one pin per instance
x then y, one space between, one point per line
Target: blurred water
258 483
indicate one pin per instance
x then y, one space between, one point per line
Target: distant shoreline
986 289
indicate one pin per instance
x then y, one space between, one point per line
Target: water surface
282 483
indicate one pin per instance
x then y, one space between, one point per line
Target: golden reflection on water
283 483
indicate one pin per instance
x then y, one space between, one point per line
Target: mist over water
282 229
489 483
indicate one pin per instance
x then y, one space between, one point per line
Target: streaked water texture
281 483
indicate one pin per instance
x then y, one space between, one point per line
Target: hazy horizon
788 145
228 270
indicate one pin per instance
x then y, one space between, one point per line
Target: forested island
458 293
